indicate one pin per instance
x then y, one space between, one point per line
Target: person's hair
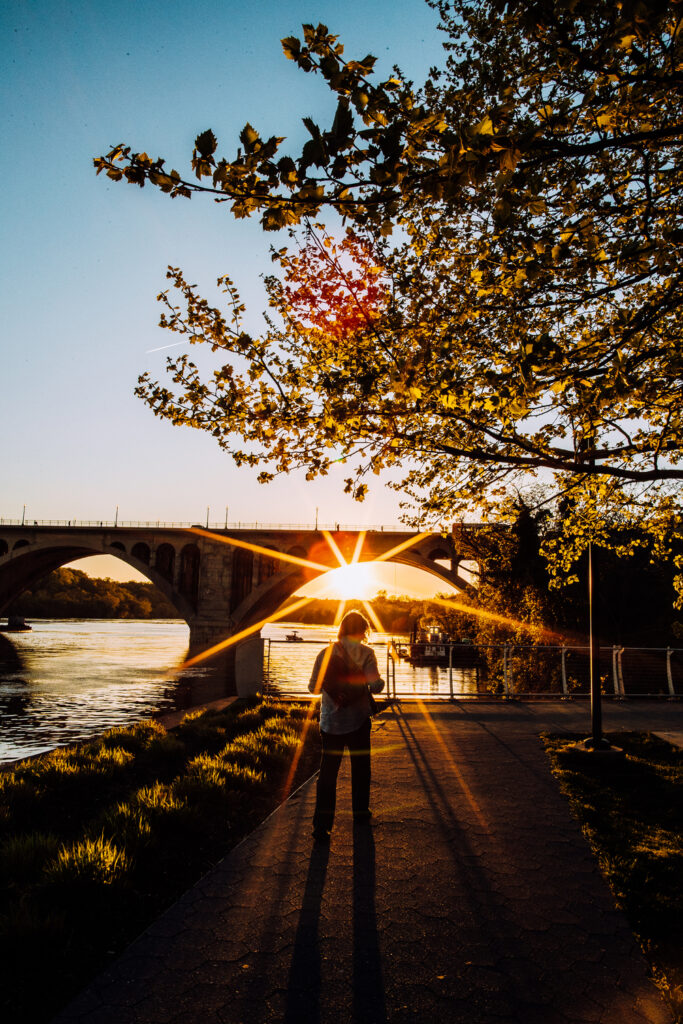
353 624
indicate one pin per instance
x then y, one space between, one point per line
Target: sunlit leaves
527 318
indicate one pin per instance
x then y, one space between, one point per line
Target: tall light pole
596 741
23 516
116 516
207 517
316 519
226 517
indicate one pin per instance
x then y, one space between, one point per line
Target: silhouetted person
346 673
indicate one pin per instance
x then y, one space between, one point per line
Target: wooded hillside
71 594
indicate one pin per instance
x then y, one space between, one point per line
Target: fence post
267 680
564 671
391 670
669 674
505 670
620 672
615 674
450 669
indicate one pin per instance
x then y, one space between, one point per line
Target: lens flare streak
280 556
503 620
469 795
374 618
281 612
403 546
334 548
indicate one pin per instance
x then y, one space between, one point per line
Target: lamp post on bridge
23 516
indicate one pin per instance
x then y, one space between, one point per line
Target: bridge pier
235 670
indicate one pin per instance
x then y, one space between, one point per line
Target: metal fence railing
498 670
222 525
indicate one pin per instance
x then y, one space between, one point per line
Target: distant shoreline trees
71 594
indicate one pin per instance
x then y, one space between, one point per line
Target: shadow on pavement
369 1005
303 988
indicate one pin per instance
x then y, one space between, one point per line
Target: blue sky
83 259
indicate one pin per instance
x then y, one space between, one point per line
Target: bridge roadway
221 581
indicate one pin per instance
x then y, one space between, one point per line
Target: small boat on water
15 624
431 645
294 638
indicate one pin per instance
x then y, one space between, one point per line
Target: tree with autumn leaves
497 296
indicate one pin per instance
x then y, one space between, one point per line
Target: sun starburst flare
285 610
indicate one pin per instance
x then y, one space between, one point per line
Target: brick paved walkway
473 898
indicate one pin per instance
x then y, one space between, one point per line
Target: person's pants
358 743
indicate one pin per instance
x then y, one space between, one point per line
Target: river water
74 678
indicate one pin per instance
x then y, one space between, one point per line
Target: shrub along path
473 897
98 839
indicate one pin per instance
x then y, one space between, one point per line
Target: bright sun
357 580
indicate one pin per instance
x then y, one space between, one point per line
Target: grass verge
631 811
98 839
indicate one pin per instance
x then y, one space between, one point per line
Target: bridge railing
492 670
221 526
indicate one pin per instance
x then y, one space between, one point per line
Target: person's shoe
362 816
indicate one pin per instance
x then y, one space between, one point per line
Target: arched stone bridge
220 581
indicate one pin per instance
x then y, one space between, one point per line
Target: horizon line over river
76 678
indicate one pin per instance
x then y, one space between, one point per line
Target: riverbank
472 897
97 839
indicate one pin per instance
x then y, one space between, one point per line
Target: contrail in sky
162 347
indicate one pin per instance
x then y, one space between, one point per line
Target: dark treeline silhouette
71 594
636 593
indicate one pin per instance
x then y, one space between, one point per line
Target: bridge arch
265 598
164 561
141 551
440 554
30 561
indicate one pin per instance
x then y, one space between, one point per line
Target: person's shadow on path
305 975
303 988
369 1005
